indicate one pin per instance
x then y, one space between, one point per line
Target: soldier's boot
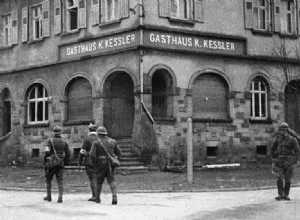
93 188
60 192
280 189
48 197
113 188
287 188
98 193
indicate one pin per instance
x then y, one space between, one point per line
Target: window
261 150
113 10
37 26
76 14
191 10
37 105
262 15
259 97
288 21
210 97
180 9
35 152
7 30
212 151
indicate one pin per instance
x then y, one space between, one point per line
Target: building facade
141 68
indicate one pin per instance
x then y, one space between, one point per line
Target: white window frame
7 28
37 22
287 8
113 11
262 15
260 93
181 9
36 100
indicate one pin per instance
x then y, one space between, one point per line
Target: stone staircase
130 162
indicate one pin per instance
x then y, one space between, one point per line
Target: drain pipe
141 14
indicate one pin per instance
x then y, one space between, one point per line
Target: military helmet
57 130
101 130
92 127
283 126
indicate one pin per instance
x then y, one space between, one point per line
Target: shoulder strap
104 147
53 147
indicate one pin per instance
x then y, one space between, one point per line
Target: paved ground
259 204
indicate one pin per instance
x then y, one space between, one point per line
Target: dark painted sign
193 43
99 45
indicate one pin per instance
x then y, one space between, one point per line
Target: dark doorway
6 113
119 105
292 104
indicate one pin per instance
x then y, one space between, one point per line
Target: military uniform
102 165
62 151
84 152
285 152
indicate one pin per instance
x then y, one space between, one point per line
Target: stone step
127 170
131 163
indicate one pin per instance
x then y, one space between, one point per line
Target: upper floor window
182 9
37 22
113 10
288 20
259 99
37 105
262 15
76 14
7 30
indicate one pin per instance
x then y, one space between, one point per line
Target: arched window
210 97
161 94
259 98
37 108
79 100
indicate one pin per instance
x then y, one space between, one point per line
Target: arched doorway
292 104
6 112
118 104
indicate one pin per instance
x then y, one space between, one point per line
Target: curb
155 191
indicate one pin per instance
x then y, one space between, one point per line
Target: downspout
141 14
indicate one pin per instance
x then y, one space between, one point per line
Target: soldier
285 152
62 151
103 168
84 156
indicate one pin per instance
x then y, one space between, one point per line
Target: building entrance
119 105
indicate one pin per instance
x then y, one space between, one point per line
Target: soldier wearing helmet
58 146
285 153
103 168
84 157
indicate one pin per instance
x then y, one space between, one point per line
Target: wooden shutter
198 11
277 16
14 27
268 16
248 10
164 8
294 18
210 97
24 24
46 18
95 12
82 14
80 103
102 8
255 14
124 8
298 16
57 17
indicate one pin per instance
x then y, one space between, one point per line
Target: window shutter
255 14
46 19
268 16
14 27
294 18
124 8
95 12
82 14
24 24
57 17
248 10
163 8
277 16
198 10
102 7
297 21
